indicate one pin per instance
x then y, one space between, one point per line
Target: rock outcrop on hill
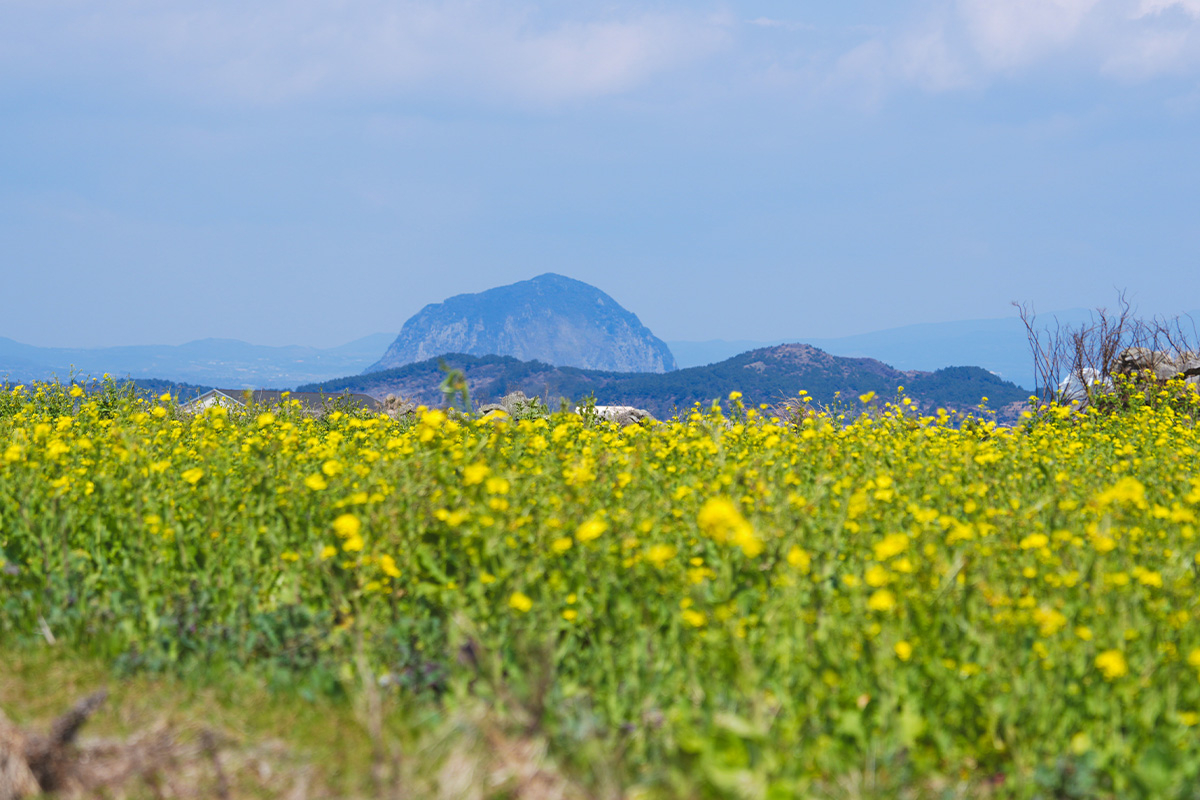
551 318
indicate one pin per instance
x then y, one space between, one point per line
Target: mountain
766 375
210 362
710 351
550 318
998 345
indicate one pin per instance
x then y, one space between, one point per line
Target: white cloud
927 59
1012 34
277 50
957 44
531 52
1150 7
782 24
1154 53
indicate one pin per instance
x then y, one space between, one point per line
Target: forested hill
767 375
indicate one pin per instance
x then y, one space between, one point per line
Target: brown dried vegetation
161 761
472 756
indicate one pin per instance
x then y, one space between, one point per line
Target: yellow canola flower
800 559
347 525
316 482
520 602
881 600
1148 577
722 522
1034 541
388 565
562 544
452 518
193 475
904 650
693 617
331 467
891 545
433 418
1127 490
580 474
876 576
592 529
866 398
1049 621
660 554
1112 663
474 474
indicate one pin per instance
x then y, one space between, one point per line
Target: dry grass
162 738
163 760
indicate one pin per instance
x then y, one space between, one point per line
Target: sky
313 171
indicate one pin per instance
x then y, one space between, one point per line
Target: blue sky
307 172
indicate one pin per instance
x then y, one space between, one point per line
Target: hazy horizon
336 343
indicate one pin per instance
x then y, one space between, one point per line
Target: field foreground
721 606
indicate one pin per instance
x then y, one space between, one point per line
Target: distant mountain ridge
208 362
766 375
999 345
550 318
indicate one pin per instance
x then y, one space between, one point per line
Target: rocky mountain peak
551 318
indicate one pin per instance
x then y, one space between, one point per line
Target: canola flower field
736 605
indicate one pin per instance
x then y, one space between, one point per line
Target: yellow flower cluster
722 522
892 584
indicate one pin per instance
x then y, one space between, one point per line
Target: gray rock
622 415
1076 387
517 406
1189 364
1164 365
397 407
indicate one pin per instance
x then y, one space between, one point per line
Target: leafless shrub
793 411
1089 355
